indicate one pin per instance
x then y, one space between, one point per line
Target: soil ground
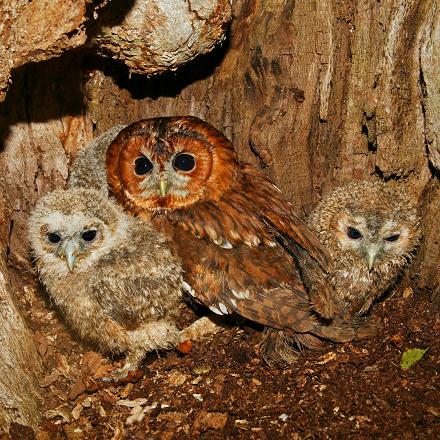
222 389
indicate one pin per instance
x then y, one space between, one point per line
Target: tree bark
149 36
20 364
315 93
160 35
37 30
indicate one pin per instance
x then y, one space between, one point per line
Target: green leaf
412 356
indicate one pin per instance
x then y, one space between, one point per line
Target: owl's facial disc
72 247
73 238
170 178
374 242
162 175
162 165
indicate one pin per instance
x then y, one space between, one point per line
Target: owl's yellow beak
70 250
163 185
370 255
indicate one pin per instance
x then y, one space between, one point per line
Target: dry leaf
328 357
185 347
77 388
176 378
50 379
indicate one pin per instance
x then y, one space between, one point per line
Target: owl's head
71 229
369 222
169 163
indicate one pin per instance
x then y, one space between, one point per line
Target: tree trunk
315 93
149 36
20 364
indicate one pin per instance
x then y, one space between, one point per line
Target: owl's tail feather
354 328
280 308
282 348
289 309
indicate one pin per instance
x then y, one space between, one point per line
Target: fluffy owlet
113 278
88 170
235 231
371 231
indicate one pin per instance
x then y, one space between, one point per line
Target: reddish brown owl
234 230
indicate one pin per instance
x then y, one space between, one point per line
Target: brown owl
371 231
234 230
113 278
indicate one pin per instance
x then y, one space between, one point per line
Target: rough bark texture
20 363
316 93
160 35
149 36
430 81
37 30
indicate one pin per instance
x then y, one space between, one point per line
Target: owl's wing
138 282
122 299
279 218
246 284
253 212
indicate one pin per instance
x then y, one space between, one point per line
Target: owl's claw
121 373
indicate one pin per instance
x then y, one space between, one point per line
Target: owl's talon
120 373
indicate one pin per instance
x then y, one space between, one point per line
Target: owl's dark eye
353 233
393 237
53 237
184 162
142 166
89 235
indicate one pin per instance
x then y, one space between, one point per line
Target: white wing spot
223 308
215 310
233 302
240 295
188 288
226 245
223 243
235 293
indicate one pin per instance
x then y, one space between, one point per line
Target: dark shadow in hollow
112 14
53 88
42 92
166 84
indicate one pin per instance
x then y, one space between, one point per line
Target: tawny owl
371 231
113 278
233 228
